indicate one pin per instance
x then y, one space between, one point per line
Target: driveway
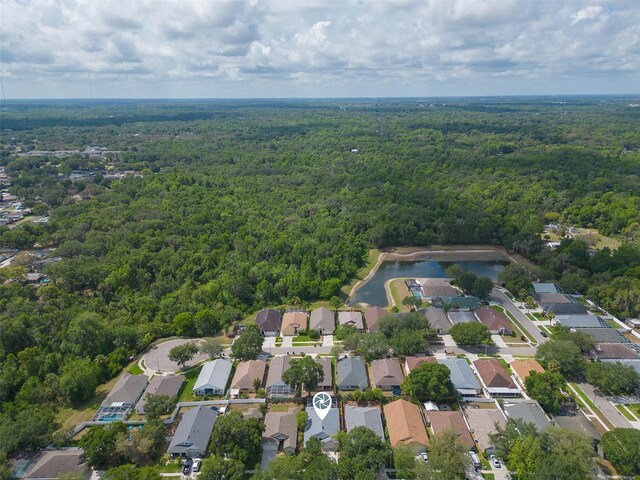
157 359
527 324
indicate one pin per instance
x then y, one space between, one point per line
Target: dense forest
237 205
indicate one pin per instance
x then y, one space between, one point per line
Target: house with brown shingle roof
438 319
441 421
436 287
293 323
495 378
281 431
606 351
386 373
496 322
159 385
412 362
323 321
246 375
353 318
405 425
372 316
523 367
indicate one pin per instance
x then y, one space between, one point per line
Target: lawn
186 392
135 369
399 291
302 339
519 327
282 407
624 412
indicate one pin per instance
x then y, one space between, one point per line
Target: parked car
544 334
196 465
495 461
186 469
424 457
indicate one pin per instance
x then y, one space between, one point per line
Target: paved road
157 359
605 406
499 296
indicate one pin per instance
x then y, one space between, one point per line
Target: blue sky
313 48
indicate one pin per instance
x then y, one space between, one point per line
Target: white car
196 465
424 457
495 461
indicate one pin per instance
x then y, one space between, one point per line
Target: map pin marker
322 404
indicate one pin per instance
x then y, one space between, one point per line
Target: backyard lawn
186 392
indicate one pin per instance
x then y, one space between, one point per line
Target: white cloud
314 48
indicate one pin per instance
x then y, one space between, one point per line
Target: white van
475 460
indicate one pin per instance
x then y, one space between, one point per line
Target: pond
373 292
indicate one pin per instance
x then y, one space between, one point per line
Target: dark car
186 470
543 334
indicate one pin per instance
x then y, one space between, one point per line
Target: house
293 323
327 367
353 318
323 321
372 316
580 321
438 320
495 378
191 438
352 374
412 362
364 417
441 421
456 317
482 423
606 351
122 398
564 308
159 385
436 287
462 377
213 377
457 302
551 298
496 322
528 411
405 425
386 373
578 422
275 386
540 287
268 321
247 375
629 362
53 463
523 368
605 335
323 429
281 431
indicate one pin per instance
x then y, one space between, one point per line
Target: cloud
317 47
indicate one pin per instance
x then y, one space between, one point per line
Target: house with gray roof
122 398
159 385
323 320
352 374
53 463
213 377
528 411
327 367
281 431
540 287
275 386
268 321
325 429
438 320
564 308
369 417
609 351
191 438
468 302
581 321
461 317
462 377
578 422
482 423
353 318
372 316
552 298
386 373
605 335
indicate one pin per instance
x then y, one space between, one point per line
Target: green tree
621 446
99 445
567 456
371 346
158 405
185 325
237 437
248 346
78 380
505 437
27 428
525 456
404 460
517 279
470 334
429 382
304 372
482 288
412 302
181 354
561 356
448 458
219 468
409 343
363 454
613 378
583 341
131 472
211 347
142 445
336 303
547 389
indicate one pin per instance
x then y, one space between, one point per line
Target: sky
317 48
